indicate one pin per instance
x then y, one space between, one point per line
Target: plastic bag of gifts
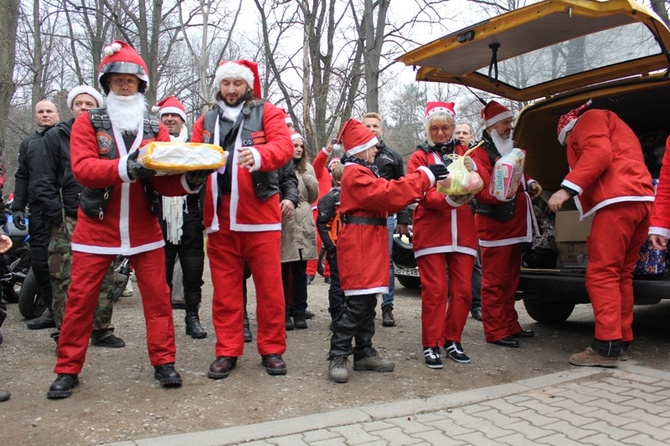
460 180
507 175
169 158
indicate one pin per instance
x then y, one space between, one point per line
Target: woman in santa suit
444 237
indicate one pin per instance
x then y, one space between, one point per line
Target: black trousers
40 235
356 321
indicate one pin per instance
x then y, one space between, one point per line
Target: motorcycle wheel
30 302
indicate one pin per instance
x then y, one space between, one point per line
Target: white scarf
174 208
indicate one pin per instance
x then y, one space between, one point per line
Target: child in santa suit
362 246
607 177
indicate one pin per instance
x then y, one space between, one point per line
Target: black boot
42 322
193 327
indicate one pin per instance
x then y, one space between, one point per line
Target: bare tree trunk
9 17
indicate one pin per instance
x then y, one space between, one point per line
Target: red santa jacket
440 225
249 213
128 226
660 218
519 228
363 249
606 162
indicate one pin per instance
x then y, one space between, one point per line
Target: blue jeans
387 299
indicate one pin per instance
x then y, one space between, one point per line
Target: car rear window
600 49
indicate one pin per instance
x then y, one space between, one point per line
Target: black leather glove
135 171
19 218
439 171
196 178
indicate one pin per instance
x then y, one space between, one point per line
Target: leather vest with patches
266 184
94 201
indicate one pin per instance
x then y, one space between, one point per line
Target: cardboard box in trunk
571 238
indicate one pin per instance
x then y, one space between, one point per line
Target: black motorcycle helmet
403 253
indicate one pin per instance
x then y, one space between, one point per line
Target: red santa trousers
617 232
441 322
501 271
227 250
88 273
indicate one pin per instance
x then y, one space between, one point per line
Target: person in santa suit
444 237
365 202
608 178
242 215
502 227
116 216
181 222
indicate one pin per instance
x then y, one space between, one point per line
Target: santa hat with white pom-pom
170 105
122 58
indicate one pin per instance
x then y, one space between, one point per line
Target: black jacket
391 166
55 185
24 190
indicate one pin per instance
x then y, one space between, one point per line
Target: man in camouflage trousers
59 193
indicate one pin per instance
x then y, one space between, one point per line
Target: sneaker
455 352
591 358
337 369
372 362
387 316
432 355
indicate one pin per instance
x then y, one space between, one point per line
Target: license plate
406 272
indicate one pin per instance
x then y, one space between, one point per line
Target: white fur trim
565 130
174 110
295 136
232 70
84 89
498 117
362 147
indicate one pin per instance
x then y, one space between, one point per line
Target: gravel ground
118 398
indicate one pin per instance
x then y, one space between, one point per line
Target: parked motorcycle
16 262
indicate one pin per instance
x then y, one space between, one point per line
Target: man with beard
59 197
243 216
46 117
391 167
117 216
502 227
181 222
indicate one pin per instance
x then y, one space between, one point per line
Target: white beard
126 112
503 145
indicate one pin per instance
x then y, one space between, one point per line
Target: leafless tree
9 17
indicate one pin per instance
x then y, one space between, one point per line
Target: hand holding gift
462 179
507 175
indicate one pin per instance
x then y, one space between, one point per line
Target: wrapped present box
169 158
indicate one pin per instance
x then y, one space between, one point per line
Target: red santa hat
170 105
355 137
84 89
494 112
122 58
239 69
439 107
568 121
287 119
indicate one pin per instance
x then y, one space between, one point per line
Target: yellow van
556 55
